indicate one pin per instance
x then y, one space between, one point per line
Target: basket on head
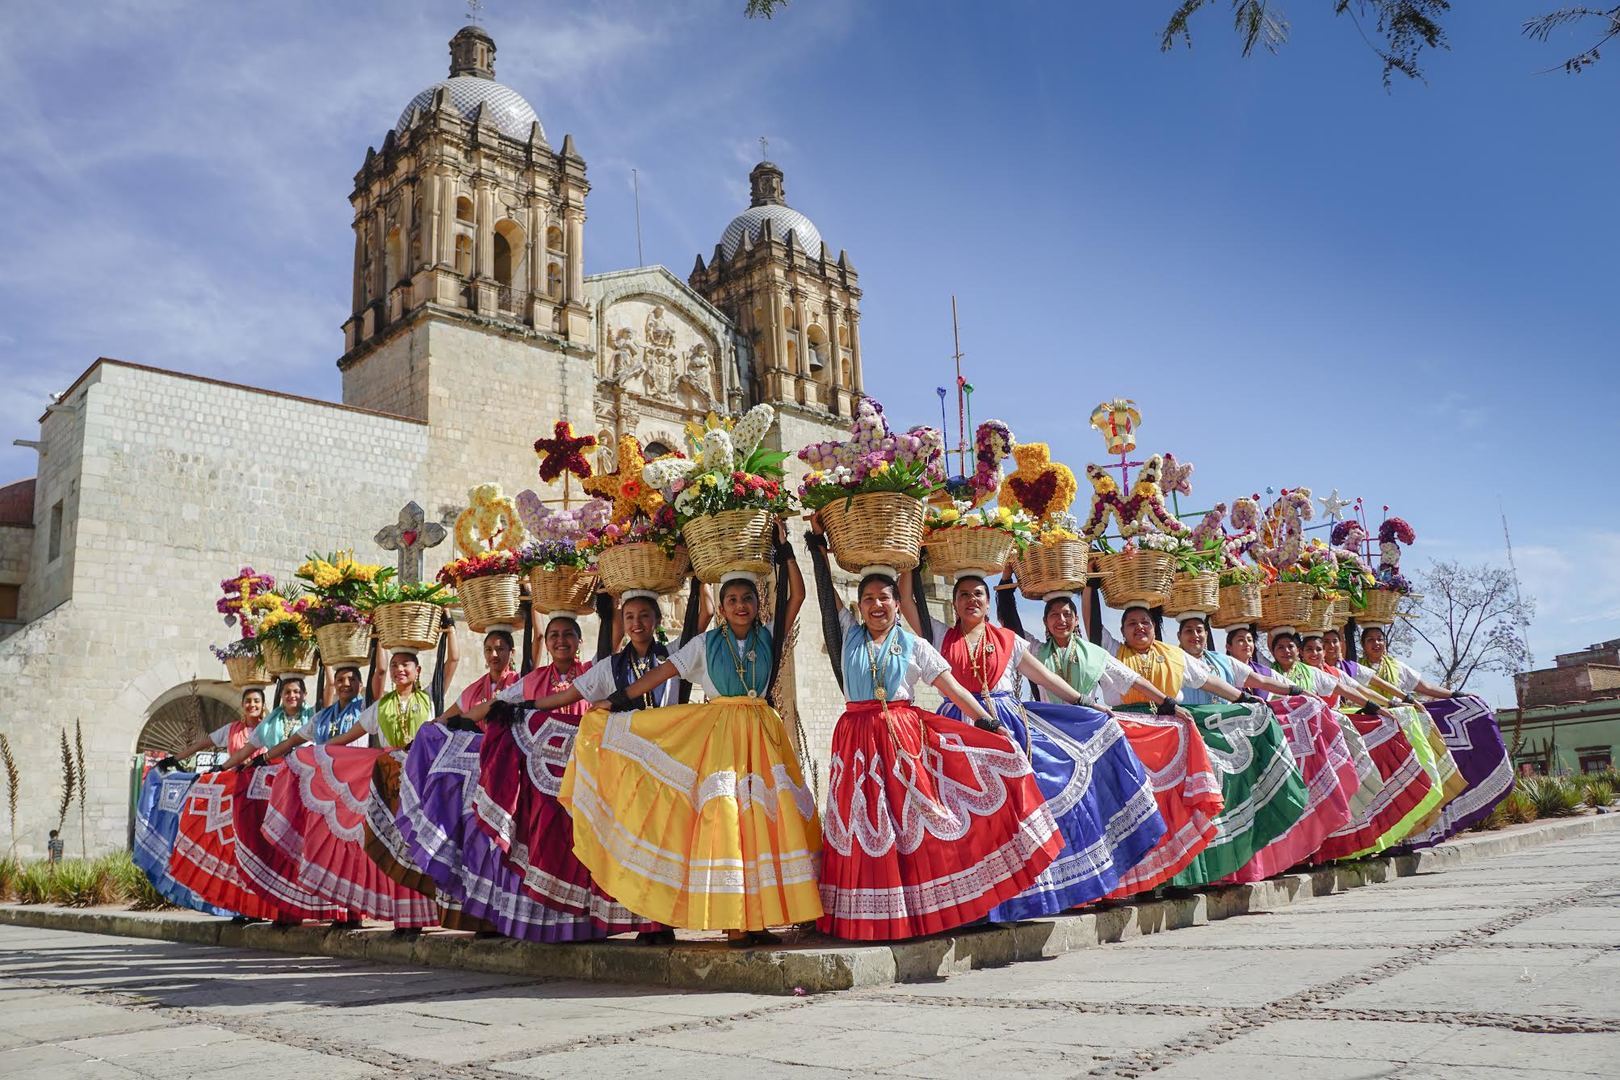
1381 605
1285 603
642 566
246 671
1318 614
408 625
278 663
1052 567
966 548
490 601
567 589
343 643
730 540
1194 592
1239 605
1139 576
879 528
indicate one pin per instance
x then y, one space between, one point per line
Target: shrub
1553 796
33 883
82 883
131 884
1598 792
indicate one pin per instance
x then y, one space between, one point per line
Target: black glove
1408 699
168 763
988 723
461 723
815 539
446 619
1168 707
253 762
784 551
1369 709
1246 698
620 702
500 712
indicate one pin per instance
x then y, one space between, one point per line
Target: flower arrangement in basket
1055 559
286 639
870 489
1142 572
336 584
485 577
407 616
961 539
727 496
241 657
640 545
1239 596
1378 596
560 576
1196 584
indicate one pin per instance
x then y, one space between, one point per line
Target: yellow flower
946 517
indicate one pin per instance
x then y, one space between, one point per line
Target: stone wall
183 481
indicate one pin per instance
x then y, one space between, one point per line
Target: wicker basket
1285 603
344 643
278 663
1239 605
568 589
410 625
1380 609
1194 592
1044 569
490 601
1319 614
246 671
1136 577
973 548
642 566
730 540
880 528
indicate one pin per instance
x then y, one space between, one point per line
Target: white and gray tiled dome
783 219
504 106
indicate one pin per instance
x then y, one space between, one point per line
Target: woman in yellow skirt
698 816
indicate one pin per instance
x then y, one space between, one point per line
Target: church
473 328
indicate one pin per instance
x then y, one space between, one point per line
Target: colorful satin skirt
1186 788
1097 791
930 824
514 793
696 816
1404 794
268 870
1475 742
320 821
204 857
387 846
157 822
1262 792
1329 772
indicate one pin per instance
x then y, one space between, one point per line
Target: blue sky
1301 278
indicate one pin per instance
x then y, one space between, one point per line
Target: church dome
769 203
783 219
504 106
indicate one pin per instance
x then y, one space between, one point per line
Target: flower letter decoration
1143 511
1117 421
564 452
1177 476
490 522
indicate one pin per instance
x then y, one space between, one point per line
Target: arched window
393 259
464 255
817 338
655 449
554 238
554 280
843 336
464 209
787 316
508 251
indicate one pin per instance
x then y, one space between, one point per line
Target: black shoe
765 937
347 924
408 933
656 937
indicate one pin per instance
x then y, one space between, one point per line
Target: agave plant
1553 796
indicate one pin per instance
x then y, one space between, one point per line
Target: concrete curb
818 965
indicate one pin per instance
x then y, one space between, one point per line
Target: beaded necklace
744 676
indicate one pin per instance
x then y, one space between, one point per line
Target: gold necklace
746 679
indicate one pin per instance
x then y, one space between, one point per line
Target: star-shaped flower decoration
564 452
1334 506
1176 476
624 485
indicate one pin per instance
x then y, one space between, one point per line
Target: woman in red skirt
929 822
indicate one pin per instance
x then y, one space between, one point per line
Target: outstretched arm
655 678
1044 677
971 706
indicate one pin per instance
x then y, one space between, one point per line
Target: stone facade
473 327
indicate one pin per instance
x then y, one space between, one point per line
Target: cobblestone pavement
1506 968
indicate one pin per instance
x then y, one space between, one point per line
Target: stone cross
411 535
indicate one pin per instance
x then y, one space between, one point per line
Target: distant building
1571 717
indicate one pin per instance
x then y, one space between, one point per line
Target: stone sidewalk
808 962
1504 968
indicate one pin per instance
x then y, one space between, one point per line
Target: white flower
750 430
663 473
718 455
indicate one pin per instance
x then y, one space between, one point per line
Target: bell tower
467 212
798 305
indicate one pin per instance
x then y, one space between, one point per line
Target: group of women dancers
586 799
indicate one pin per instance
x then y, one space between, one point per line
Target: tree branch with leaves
1468 619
